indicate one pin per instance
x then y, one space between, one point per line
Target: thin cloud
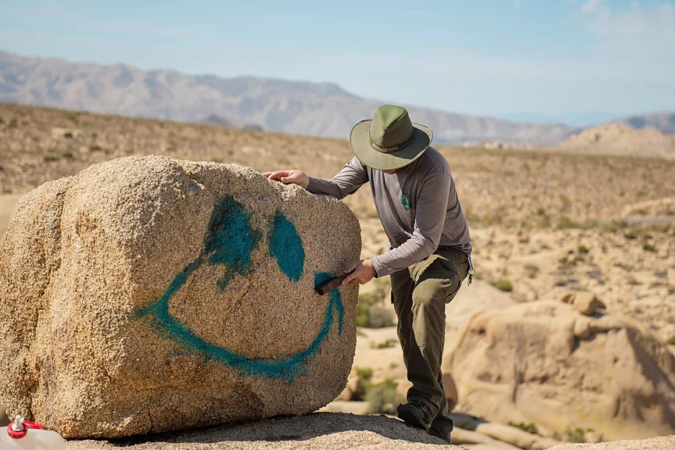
653 21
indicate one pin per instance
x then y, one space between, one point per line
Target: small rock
586 303
566 298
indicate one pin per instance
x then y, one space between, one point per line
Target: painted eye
286 247
230 242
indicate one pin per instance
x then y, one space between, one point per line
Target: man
430 246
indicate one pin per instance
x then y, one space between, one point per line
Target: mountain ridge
296 107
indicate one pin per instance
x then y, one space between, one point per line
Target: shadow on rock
289 428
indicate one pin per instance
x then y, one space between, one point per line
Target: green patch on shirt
405 202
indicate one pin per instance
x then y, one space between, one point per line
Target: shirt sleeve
430 212
352 176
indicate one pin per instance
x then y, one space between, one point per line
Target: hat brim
359 139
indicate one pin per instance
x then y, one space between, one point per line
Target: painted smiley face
230 241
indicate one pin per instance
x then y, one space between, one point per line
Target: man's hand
363 272
289 177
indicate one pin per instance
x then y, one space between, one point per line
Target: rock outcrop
151 294
544 363
620 139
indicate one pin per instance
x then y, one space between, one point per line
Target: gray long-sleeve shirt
418 207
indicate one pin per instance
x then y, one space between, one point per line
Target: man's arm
347 181
430 214
352 176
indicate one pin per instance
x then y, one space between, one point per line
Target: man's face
390 171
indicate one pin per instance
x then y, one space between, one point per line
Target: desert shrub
68 135
68 155
503 285
362 315
671 341
379 317
369 298
589 223
541 211
529 427
566 223
95 148
364 375
13 124
582 249
389 343
491 219
1 168
576 435
50 158
383 397
369 314
649 247
615 226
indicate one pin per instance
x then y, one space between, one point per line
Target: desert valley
550 227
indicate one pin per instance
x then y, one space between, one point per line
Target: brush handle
331 284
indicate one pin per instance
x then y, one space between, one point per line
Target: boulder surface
319 431
148 294
526 364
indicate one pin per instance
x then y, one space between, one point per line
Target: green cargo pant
419 295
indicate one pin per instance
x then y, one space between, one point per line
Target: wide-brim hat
390 140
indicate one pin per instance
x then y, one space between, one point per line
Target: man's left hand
363 272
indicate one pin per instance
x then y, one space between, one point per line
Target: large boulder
150 294
530 363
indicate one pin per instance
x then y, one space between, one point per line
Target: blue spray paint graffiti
230 242
230 239
286 247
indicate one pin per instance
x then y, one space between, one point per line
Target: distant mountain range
296 107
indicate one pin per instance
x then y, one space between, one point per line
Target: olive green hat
389 141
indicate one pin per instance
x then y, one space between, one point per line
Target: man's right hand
289 177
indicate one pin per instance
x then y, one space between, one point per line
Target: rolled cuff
380 269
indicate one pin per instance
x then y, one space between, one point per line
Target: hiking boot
416 413
441 427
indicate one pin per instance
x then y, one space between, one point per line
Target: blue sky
561 58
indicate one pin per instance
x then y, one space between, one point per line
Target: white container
21 435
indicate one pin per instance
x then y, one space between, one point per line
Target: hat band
390 149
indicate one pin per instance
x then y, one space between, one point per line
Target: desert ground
544 224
